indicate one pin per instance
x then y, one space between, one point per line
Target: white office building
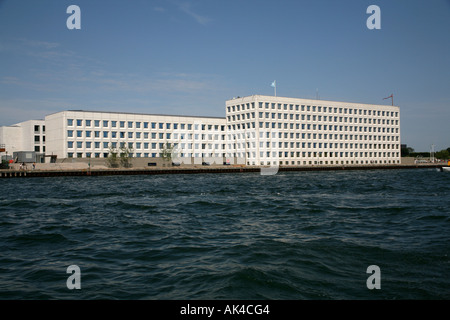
87 134
289 131
24 136
257 130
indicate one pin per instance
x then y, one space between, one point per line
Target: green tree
167 152
113 160
406 152
443 154
125 152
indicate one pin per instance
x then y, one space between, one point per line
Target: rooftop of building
140 114
316 101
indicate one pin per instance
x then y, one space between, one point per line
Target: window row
312 145
307 154
141 135
37 129
140 145
309 117
307 126
142 154
143 125
297 107
326 162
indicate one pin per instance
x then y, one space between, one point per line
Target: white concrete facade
86 134
290 131
24 136
257 130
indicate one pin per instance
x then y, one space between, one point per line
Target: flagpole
392 98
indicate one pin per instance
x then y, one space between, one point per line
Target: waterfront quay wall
194 170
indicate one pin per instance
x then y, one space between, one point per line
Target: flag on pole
274 85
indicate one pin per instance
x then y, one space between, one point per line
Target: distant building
24 136
87 134
257 130
290 131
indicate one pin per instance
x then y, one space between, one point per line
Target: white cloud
187 8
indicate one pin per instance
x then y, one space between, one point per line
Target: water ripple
299 235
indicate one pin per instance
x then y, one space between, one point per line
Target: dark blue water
303 235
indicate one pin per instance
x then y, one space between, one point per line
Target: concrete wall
11 137
21 136
101 163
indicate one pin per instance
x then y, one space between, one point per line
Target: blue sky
188 57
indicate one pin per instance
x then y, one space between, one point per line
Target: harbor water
293 235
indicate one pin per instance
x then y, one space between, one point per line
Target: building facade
24 136
257 130
86 134
290 131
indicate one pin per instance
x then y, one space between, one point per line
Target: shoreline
8 173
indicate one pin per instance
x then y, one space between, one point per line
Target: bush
4 164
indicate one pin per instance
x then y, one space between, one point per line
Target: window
70 122
105 123
70 133
79 144
79 123
79 133
36 128
97 123
88 123
113 124
130 124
